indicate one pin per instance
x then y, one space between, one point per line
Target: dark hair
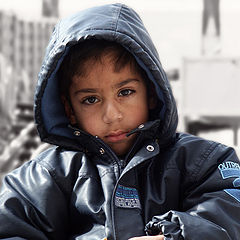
75 62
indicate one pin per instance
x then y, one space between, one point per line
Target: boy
119 170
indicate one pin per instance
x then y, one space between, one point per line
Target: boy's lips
116 136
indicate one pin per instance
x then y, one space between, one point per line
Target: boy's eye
90 100
126 92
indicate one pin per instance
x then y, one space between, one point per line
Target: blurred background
199 46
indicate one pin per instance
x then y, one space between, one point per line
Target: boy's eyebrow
85 90
118 85
121 84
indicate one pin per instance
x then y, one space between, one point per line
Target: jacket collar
92 144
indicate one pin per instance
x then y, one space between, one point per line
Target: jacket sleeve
32 206
211 203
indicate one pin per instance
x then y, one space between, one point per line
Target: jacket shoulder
61 165
56 158
195 156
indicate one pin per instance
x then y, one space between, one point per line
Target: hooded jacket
176 184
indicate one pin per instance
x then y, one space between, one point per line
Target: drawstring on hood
113 22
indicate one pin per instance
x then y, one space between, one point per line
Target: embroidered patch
127 197
229 170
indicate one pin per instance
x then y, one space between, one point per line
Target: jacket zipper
118 161
122 164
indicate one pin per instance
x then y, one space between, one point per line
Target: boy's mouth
116 136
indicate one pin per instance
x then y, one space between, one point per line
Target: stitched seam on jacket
106 172
118 16
49 169
87 176
206 155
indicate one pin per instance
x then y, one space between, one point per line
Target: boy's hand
158 237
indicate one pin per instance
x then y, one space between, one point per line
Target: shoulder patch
127 197
231 170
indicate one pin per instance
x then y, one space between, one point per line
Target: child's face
109 104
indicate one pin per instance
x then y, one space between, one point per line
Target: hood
113 22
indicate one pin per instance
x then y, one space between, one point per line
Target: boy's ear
68 110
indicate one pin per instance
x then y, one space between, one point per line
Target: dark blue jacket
177 184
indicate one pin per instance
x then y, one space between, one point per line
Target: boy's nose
111 113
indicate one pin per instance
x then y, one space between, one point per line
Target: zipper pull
122 164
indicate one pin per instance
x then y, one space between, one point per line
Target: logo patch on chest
231 170
127 197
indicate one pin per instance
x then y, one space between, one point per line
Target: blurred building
23 43
22 46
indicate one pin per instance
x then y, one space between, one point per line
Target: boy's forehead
97 73
107 62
